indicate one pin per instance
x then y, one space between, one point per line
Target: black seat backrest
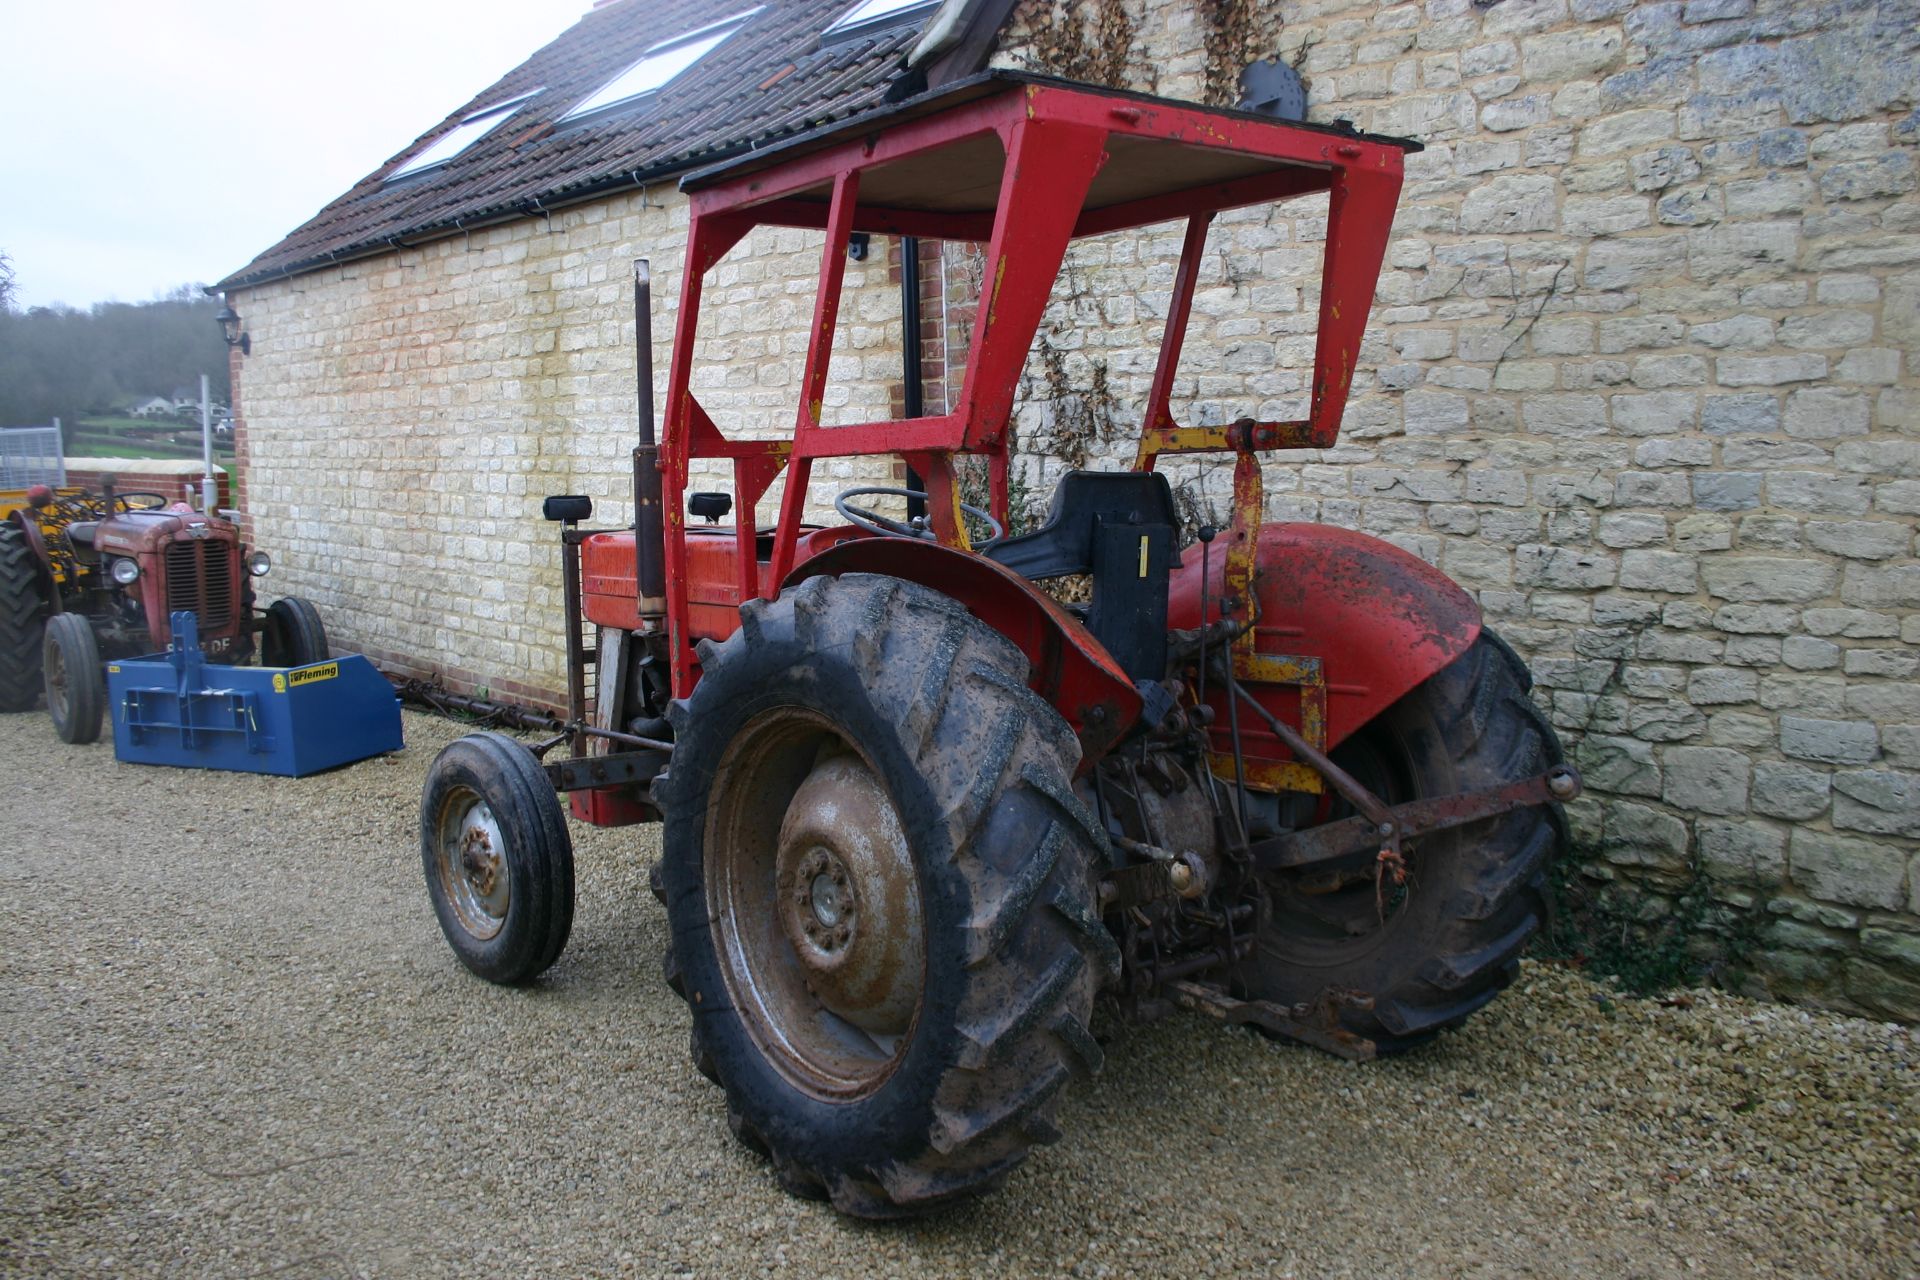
1081 501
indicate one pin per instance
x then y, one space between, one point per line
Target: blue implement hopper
175 708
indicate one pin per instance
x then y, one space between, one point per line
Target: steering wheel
861 518
123 501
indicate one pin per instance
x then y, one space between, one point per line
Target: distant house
151 407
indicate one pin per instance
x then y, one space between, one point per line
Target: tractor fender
1380 620
42 562
1066 665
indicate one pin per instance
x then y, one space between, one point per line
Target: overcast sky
150 144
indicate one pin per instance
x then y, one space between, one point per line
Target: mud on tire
76 684
498 858
867 677
1441 948
23 619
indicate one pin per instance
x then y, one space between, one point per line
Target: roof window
460 137
871 15
659 66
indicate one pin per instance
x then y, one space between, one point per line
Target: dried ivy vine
1087 40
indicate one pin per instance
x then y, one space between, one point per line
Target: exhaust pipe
649 531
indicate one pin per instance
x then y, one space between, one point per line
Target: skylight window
870 15
659 66
460 137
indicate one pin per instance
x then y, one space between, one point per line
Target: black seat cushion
1064 544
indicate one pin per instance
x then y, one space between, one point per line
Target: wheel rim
1339 913
819 927
55 662
472 864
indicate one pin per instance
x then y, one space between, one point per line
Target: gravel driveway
233 1043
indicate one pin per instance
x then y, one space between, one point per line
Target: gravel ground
233 1043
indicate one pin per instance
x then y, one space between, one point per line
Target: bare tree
6 281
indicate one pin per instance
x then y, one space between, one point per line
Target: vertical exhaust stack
649 531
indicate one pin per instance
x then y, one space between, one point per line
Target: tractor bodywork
90 577
919 813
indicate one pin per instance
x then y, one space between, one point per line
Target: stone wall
1641 374
402 417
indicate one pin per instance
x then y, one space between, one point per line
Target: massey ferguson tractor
919 816
90 577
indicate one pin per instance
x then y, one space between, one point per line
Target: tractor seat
1082 501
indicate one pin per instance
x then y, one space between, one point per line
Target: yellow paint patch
313 675
999 278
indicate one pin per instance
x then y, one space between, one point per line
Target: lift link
1417 818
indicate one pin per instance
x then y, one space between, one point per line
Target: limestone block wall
1641 375
401 418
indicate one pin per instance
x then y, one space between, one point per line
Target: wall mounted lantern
230 329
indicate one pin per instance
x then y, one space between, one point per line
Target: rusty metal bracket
1315 1023
1349 788
1416 818
582 773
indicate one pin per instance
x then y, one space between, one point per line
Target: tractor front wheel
498 859
76 685
293 635
23 618
881 896
1433 950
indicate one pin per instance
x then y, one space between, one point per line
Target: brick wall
1641 375
400 418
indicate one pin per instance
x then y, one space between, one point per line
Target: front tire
75 683
1437 949
498 858
292 635
23 620
880 891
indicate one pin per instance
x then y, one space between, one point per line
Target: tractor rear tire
498 858
1437 949
23 619
293 635
881 894
76 685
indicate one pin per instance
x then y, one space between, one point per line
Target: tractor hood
129 533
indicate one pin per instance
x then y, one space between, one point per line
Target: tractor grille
200 578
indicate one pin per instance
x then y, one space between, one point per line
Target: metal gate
31 455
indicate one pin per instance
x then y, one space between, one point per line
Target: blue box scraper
175 708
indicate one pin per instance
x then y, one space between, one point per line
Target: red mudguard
1067 666
1375 619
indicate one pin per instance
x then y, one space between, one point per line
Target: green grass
141 438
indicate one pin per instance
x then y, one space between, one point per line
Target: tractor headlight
125 572
259 564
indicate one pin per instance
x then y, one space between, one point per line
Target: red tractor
919 815
87 577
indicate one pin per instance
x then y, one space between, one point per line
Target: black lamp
230 328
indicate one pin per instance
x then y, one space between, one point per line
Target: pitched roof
774 77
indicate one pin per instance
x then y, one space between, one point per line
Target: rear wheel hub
818 911
849 902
